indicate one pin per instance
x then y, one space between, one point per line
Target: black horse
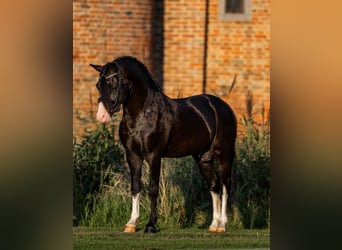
155 126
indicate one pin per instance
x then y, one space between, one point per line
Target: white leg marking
135 210
216 209
102 114
224 219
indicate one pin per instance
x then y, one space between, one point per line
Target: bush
252 173
94 161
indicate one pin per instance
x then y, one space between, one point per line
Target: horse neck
143 92
142 95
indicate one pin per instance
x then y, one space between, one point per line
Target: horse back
198 120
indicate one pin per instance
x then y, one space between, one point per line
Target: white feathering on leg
216 209
224 219
135 209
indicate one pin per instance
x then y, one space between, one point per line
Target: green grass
169 238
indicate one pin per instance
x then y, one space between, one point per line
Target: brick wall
169 37
242 48
102 31
233 47
183 42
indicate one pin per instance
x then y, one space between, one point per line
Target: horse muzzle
102 115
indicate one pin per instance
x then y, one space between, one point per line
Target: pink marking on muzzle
102 114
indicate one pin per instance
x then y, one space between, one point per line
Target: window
234 10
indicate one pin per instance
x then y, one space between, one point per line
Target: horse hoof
150 230
216 229
130 229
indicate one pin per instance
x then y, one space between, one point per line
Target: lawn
170 238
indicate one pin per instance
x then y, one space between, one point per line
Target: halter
111 75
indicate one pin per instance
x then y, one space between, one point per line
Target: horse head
113 90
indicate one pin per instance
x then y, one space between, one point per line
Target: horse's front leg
153 191
135 163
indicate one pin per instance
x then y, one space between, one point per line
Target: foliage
252 173
187 192
95 159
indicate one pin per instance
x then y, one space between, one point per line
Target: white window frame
245 16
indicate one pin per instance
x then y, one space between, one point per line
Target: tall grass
102 182
95 160
252 173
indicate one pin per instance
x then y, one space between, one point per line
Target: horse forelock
123 60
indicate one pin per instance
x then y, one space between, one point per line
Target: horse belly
187 142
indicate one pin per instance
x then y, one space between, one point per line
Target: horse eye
110 83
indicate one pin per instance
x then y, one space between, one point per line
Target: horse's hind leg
205 163
224 159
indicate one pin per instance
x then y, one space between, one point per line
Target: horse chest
141 131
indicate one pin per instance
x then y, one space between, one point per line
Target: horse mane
142 67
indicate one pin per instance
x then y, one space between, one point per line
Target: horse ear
97 67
